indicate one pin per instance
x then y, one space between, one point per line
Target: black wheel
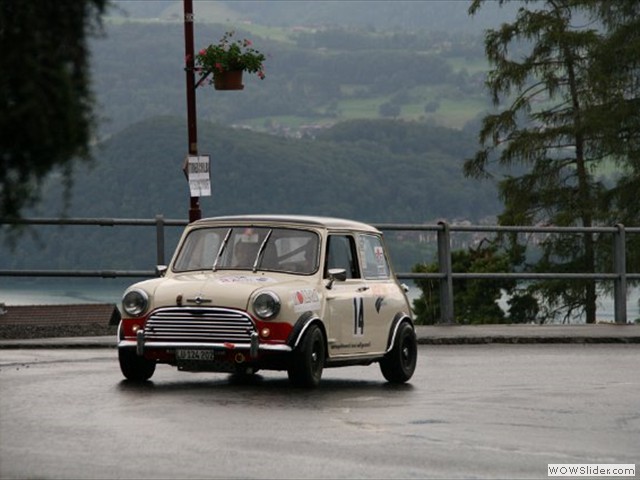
398 365
307 360
133 367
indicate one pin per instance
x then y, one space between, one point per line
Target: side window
374 261
341 253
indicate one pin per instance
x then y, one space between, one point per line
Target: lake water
56 291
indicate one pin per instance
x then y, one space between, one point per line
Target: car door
350 304
385 295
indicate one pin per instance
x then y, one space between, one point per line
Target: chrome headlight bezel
135 302
266 305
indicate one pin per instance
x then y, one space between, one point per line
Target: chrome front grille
215 325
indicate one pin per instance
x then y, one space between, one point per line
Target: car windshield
249 248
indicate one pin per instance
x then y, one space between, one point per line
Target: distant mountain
371 170
314 77
329 62
436 15
376 171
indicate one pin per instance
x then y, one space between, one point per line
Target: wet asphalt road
490 411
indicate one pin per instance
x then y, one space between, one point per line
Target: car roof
288 220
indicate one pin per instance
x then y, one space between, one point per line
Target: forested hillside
377 171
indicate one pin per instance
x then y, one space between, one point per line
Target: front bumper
254 347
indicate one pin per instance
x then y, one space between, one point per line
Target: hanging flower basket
230 80
227 60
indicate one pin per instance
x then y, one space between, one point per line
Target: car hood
219 289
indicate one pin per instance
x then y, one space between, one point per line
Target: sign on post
198 174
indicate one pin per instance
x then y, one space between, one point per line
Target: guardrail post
160 239
444 267
620 269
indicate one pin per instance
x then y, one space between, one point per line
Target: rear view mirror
339 274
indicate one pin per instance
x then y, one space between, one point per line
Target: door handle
363 289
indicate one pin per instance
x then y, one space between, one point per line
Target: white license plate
192 354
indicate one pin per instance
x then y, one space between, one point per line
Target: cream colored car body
319 273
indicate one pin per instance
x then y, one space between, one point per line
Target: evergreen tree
476 301
45 101
565 109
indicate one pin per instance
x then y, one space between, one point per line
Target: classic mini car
294 293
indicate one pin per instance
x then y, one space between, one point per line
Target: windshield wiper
221 249
260 250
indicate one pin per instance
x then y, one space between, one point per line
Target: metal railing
159 222
619 276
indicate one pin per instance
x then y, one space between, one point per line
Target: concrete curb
527 334
59 342
427 335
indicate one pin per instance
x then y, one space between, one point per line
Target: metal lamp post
194 202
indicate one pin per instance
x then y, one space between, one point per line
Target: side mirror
161 270
339 274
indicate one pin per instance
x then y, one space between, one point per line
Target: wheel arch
302 325
398 320
120 331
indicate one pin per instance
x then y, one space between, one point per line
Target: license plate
201 355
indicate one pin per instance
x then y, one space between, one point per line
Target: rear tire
133 367
307 362
398 365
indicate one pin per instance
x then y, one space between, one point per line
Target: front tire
133 367
398 365
307 360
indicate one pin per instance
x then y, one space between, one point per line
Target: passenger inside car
244 254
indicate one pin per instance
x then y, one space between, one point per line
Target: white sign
199 176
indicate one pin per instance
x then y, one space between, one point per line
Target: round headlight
266 305
135 302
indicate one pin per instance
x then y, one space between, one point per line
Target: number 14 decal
358 317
